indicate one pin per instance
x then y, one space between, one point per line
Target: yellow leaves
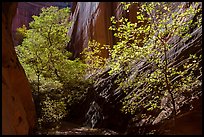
126 5
128 49
165 8
92 56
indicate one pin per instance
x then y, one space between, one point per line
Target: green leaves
53 110
148 42
46 42
44 58
92 55
126 5
140 17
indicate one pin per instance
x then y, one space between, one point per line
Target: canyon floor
67 128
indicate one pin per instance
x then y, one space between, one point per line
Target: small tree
43 49
146 41
44 57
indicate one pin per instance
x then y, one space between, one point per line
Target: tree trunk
168 88
38 82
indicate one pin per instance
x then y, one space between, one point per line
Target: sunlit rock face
84 18
91 20
18 110
25 11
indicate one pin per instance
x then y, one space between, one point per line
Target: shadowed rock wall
103 104
18 110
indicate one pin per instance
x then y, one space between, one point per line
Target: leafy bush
52 111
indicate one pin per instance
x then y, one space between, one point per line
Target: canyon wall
84 17
103 104
91 21
18 109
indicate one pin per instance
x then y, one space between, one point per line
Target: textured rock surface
85 16
91 20
18 110
101 109
25 11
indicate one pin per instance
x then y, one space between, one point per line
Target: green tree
44 46
146 42
46 61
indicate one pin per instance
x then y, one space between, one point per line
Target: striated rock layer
18 110
91 20
103 104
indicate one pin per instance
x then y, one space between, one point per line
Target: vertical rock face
91 20
25 11
18 110
102 106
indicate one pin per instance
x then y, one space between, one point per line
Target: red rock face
91 21
18 109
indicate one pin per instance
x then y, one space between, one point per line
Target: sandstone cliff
91 21
102 106
18 110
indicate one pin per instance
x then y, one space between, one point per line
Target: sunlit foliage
146 41
92 56
46 62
